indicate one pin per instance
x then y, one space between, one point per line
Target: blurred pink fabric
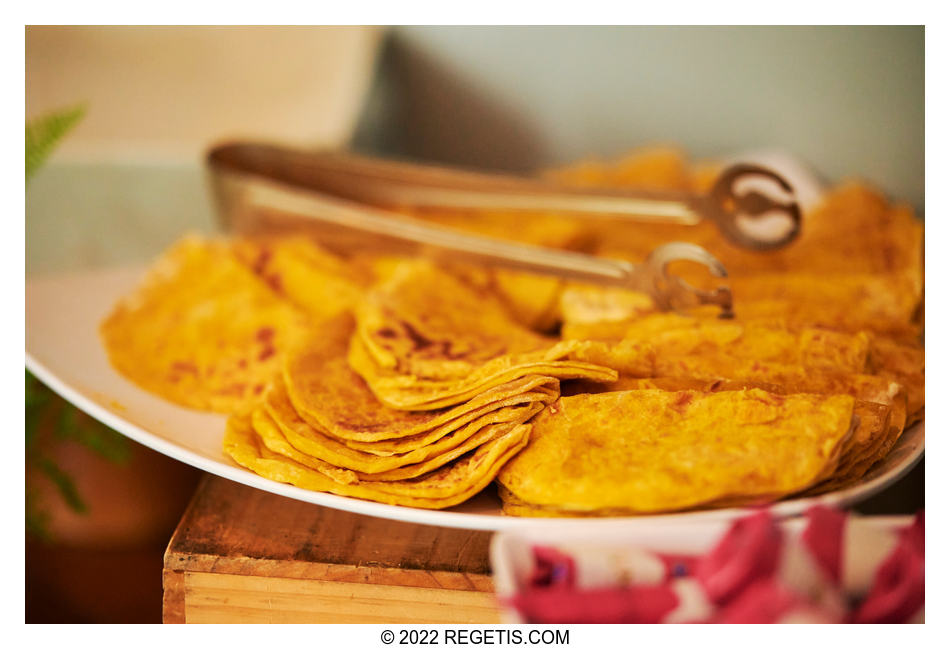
757 573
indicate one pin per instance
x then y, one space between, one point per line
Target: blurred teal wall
847 100
100 213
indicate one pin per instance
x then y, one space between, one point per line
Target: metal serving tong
266 188
389 183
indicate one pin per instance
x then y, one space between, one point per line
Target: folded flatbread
643 451
424 341
320 444
329 395
450 485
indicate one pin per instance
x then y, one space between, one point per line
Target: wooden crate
243 555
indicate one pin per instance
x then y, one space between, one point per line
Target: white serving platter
63 350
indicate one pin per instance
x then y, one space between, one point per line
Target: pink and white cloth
837 569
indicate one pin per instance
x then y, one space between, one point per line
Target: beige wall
129 180
172 90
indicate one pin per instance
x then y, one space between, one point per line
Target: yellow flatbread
402 391
650 450
879 424
902 363
874 302
275 438
201 330
329 395
320 444
272 437
672 335
317 282
448 486
427 323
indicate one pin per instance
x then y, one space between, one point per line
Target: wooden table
243 555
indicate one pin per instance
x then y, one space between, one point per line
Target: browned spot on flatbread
683 399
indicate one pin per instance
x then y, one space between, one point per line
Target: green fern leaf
44 133
64 484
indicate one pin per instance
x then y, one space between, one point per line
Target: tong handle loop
728 208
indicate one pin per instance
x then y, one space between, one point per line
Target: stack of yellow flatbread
319 426
407 383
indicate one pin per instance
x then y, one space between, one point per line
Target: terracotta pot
132 504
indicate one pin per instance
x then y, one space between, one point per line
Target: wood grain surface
243 555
